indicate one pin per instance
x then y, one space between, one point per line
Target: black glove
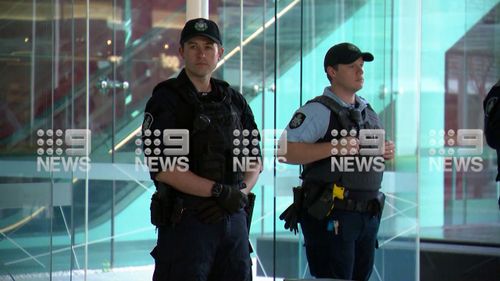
229 197
210 212
291 215
291 218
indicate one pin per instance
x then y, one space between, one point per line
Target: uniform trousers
341 246
194 251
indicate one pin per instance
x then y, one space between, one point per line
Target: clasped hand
230 201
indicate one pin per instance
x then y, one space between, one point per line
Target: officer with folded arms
200 211
339 210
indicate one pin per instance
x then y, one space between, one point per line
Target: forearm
187 182
250 178
305 153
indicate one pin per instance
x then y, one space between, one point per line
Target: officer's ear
221 51
181 51
330 71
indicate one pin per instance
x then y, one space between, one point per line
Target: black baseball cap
200 27
345 53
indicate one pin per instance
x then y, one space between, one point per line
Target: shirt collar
215 94
361 103
183 79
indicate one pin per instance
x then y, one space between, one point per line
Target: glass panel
249 67
133 47
377 27
31 200
459 194
299 74
65 214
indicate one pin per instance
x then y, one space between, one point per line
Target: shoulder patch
148 120
490 105
297 120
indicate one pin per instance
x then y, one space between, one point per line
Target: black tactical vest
348 119
212 136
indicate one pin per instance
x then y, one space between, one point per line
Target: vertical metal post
196 9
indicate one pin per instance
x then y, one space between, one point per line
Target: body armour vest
212 135
357 177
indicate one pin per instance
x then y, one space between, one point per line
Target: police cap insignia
200 25
297 120
148 120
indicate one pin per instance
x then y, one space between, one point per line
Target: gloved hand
291 215
291 218
210 212
231 198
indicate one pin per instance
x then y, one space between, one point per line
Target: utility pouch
309 193
161 204
381 202
249 209
158 211
322 206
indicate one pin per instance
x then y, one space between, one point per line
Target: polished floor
137 273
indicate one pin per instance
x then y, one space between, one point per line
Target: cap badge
200 25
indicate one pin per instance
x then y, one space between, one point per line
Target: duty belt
361 206
191 201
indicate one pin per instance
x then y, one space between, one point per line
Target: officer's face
200 56
349 77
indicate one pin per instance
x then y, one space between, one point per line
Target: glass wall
279 66
372 26
459 66
75 77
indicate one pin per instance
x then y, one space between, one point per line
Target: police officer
491 106
340 232
199 210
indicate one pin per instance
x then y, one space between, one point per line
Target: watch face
216 189
243 185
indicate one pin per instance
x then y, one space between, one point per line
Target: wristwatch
216 190
243 185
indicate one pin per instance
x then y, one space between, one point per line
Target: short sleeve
308 124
